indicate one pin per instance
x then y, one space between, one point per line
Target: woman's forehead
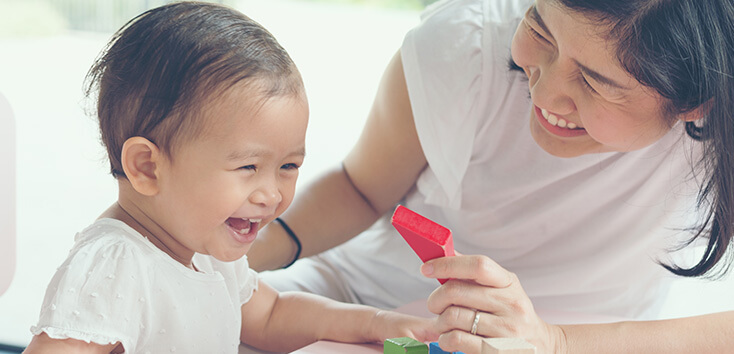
583 40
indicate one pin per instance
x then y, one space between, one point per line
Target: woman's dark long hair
684 50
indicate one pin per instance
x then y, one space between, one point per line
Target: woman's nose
549 89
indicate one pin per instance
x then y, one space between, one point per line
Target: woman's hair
159 70
684 50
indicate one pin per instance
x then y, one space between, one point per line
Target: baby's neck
137 219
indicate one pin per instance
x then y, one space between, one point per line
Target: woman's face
584 102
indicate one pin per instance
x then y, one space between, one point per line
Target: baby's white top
116 286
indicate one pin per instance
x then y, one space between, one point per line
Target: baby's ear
140 159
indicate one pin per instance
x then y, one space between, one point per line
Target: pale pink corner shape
7 195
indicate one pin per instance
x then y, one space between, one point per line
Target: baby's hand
390 324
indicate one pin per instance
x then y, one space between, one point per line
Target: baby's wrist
376 326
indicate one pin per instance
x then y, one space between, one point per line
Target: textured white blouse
116 286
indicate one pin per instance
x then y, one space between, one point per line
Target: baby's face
238 175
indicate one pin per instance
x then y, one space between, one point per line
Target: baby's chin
231 255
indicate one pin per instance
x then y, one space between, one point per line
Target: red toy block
428 239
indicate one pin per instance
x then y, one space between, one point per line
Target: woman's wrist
294 241
559 340
272 249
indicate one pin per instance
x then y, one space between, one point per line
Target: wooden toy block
433 348
507 346
404 345
428 239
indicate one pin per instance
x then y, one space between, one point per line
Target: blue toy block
433 348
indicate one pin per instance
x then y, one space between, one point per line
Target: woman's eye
248 167
535 34
586 83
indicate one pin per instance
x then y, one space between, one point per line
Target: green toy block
404 345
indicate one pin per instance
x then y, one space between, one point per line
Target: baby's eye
290 166
248 167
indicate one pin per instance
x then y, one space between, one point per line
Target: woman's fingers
461 293
482 323
501 302
460 341
482 300
480 269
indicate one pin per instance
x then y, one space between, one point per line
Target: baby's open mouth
243 226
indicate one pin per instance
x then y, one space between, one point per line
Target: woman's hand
482 299
391 324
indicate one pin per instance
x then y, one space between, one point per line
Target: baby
204 117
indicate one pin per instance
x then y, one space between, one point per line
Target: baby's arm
290 320
42 343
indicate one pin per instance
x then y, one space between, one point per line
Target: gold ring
476 323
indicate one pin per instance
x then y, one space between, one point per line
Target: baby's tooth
545 113
571 126
552 119
561 122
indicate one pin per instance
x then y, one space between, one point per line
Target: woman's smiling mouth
557 125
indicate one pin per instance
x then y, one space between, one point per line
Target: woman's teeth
558 122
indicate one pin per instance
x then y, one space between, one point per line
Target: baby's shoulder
109 246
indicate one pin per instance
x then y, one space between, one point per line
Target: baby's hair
159 69
684 50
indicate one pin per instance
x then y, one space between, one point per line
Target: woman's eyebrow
599 77
535 16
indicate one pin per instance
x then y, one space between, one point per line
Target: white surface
7 194
62 179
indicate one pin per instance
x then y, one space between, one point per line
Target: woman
630 110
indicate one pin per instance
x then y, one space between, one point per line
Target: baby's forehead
233 105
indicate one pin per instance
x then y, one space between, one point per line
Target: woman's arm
286 321
379 170
42 343
712 333
506 311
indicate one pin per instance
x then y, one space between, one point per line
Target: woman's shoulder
481 11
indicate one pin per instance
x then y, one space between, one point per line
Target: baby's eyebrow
245 154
